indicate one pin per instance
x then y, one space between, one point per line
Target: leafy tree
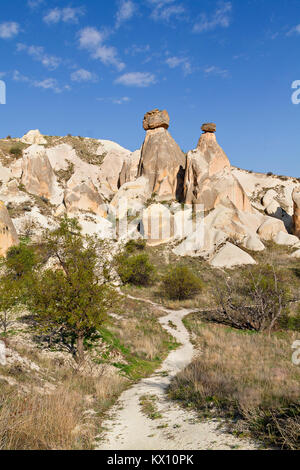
70 298
17 265
180 283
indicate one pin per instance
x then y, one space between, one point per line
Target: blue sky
93 68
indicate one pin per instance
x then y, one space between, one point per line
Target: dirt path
128 428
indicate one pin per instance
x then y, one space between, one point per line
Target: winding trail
127 428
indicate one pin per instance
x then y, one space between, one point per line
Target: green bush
135 245
17 151
180 283
135 270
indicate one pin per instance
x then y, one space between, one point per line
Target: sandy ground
127 428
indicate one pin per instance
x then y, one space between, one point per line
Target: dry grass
44 422
66 419
244 375
61 406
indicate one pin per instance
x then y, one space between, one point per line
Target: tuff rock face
8 234
83 196
34 137
100 182
296 216
208 177
38 176
162 161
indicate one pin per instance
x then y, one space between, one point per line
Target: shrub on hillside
136 269
258 301
180 283
16 151
135 245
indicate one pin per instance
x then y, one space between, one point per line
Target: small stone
209 127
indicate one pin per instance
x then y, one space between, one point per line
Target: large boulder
38 176
296 216
8 234
130 199
237 224
156 118
230 256
283 238
208 177
270 228
82 195
34 137
162 161
201 243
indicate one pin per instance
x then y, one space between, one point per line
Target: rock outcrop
230 256
208 177
130 168
296 216
162 161
157 225
38 176
8 234
34 137
83 196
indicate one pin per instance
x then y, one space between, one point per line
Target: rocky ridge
161 190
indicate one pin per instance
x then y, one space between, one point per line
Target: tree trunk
80 348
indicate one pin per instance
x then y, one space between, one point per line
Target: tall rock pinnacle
162 161
208 177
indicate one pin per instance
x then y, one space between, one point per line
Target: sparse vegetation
180 283
247 376
136 270
149 407
257 301
16 151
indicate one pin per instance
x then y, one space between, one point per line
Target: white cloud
125 12
294 30
82 75
92 39
108 56
50 84
165 10
123 100
18 77
66 15
134 49
137 79
220 18
34 3
182 62
46 84
119 101
214 70
9 30
38 53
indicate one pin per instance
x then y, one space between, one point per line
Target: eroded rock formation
296 216
83 196
8 234
38 176
208 177
162 161
34 137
